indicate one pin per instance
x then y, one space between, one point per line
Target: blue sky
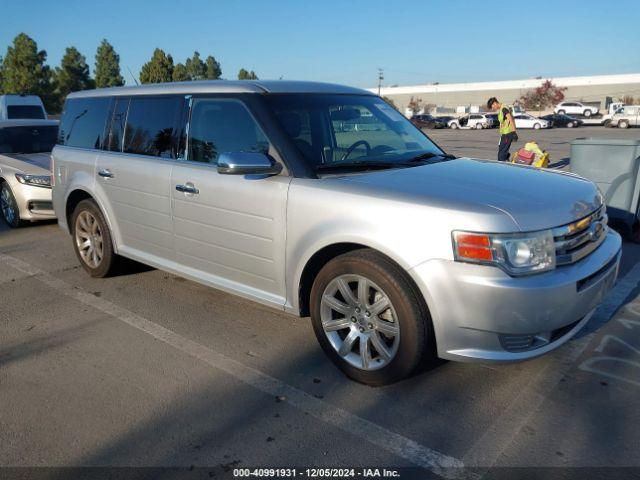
346 41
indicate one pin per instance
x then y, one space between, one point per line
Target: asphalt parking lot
148 369
557 141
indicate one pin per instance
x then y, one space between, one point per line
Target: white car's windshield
355 129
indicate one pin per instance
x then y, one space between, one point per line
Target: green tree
157 70
180 73
213 71
196 68
73 73
107 71
1 75
24 70
245 75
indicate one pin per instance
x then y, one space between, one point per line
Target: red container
525 157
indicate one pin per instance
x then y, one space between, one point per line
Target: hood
535 199
33 163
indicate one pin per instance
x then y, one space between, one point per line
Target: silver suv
398 251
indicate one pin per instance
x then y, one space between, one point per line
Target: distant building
460 97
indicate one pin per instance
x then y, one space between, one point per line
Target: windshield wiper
362 165
429 155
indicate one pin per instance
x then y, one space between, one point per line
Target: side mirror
247 163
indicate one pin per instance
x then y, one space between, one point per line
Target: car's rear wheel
623 124
536 126
561 112
479 126
368 318
92 239
9 206
587 113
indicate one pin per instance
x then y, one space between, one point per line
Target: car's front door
229 230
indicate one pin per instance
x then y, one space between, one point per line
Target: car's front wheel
536 126
479 126
623 124
92 239
454 125
561 112
587 113
9 206
368 318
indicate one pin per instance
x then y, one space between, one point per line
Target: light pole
380 78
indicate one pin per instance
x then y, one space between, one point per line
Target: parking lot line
439 463
488 448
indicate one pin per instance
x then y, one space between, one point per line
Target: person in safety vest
508 133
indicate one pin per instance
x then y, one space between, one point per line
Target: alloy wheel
6 203
360 322
89 239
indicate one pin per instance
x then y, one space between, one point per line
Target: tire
607 123
561 112
587 113
570 125
354 322
536 126
479 126
454 126
9 207
100 241
623 124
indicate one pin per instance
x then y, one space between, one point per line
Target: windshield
32 139
330 129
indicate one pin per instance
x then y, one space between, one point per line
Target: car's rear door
135 174
229 230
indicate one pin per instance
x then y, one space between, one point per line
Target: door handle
106 173
188 188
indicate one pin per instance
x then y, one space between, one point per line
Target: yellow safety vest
505 126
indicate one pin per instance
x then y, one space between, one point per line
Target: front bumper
34 203
482 314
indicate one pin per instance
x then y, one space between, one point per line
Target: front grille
577 240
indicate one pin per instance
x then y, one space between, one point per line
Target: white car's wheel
587 113
479 126
536 126
623 124
561 112
454 125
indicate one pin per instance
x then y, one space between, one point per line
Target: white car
524 120
25 170
476 121
575 108
13 107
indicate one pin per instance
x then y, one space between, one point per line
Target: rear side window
152 126
118 120
24 111
221 126
83 122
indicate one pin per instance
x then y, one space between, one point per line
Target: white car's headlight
517 254
34 180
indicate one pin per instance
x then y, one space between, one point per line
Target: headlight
34 180
517 254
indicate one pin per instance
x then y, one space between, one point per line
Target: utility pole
380 78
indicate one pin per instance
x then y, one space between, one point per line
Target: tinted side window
220 126
24 111
118 119
152 126
83 122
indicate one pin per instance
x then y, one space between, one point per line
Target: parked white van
625 117
13 107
